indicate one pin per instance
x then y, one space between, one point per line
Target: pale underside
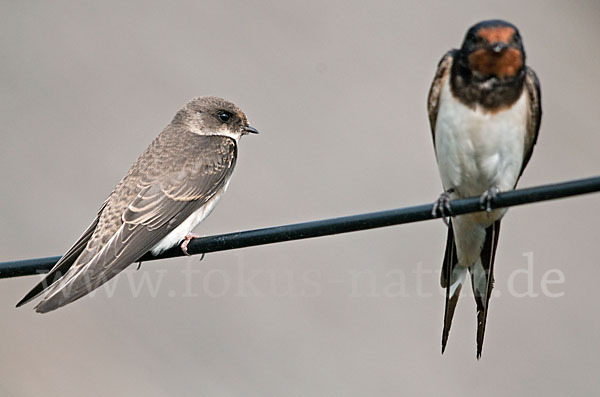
181 231
476 150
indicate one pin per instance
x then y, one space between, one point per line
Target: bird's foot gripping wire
186 241
487 198
442 206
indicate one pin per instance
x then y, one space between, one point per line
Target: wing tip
31 295
22 302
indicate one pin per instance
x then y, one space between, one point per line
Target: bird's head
493 49
214 116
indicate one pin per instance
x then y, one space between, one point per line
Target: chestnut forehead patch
497 34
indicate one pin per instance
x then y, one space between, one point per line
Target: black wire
332 226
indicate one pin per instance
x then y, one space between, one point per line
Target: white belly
179 233
477 149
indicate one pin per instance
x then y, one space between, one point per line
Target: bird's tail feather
452 279
482 280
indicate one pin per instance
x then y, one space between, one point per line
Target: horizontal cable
332 226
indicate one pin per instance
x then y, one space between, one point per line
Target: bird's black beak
250 129
498 47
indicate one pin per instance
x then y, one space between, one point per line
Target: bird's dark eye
225 116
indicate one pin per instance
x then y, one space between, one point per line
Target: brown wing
433 100
534 114
179 176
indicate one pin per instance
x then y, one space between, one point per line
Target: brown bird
485 111
174 184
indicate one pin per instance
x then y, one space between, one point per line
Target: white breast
179 233
477 149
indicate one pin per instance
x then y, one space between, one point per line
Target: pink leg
187 240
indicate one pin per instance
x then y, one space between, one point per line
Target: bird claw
442 206
487 198
186 241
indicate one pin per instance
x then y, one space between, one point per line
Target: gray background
338 91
